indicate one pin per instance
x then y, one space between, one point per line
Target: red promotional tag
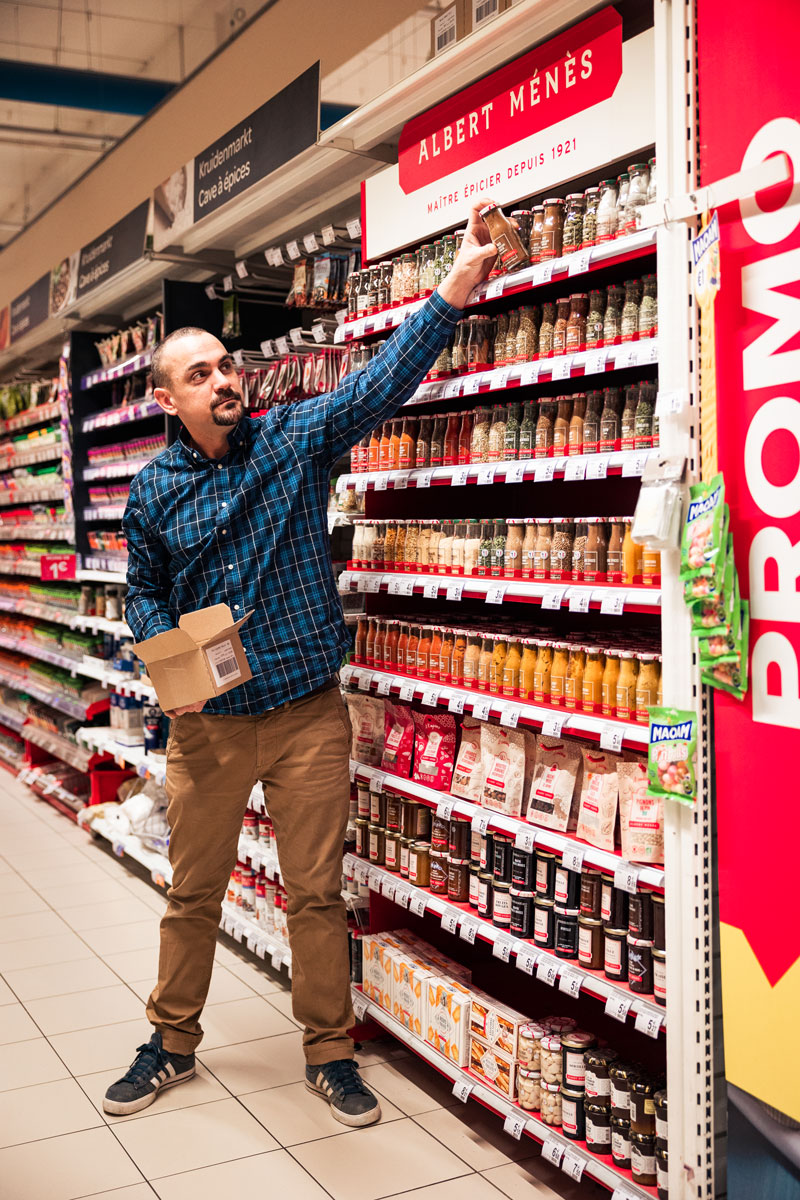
56 567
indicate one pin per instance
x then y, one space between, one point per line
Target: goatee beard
221 415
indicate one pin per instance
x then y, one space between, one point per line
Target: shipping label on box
203 657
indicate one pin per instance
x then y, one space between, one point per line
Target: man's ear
162 397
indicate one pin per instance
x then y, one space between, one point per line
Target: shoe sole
356 1120
121 1108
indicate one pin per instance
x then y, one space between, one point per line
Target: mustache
225 397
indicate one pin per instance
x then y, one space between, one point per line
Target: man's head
195 379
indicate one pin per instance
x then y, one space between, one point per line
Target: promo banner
30 308
747 107
584 99
117 248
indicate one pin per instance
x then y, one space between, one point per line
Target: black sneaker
153 1068
350 1100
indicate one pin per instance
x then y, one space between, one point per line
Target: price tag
424 479
597 466
547 972
292 249
456 703
406 587
572 858
345 579
553 1151
328 235
542 273
514 1125
613 605
486 473
579 263
525 839
374 880
354 229
227 283
460 476
237 933
496 593
515 472
455 591
407 690
444 809
274 256
622 1193
618 1006
544 470
430 696
401 480
595 362
241 270
670 402
554 597
529 374
430 589
360 1006
649 1023
468 930
630 466
579 600
462 1090
499 379
552 726
481 709
382 481
251 943
450 920
562 366
611 738
260 950
310 243
402 895
472 385
575 468
509 716
418 903
389 888
570 982
573 1165
211 292
394 585
373 583
365 681
502 948
626 878
455 387
651 353
495 287
281 345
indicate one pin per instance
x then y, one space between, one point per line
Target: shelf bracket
739 186
382 152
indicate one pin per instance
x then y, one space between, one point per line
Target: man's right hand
187 708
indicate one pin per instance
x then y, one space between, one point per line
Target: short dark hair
161 376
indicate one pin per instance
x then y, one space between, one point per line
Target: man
235 512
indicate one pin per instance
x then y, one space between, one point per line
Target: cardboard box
489 1064
449 26
202 658
377 969
496 1024
409 979
447 1019
479 12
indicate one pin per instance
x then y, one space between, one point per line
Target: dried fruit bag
703 538
671 755
398 739
434 749
468 776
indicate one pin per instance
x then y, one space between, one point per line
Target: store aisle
78 946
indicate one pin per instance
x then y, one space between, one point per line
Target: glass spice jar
648 307
561 424
524 222
591 421
592 199
552 230
546 329
595 320
577 323
527 341
612 320
629 318
560 326
513 421
644 427
572 233
639 181
545 427
623 184
551 1103
499 340
561 551
575 436
537 229
510 248
606 222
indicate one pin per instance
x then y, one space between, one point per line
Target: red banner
574 71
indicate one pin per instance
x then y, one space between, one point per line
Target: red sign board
56 567
574 71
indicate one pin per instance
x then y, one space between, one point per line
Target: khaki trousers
300 753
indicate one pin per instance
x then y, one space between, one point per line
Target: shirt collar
240 435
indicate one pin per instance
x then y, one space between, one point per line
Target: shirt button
224 503
230 566
236 608
224 531
219 466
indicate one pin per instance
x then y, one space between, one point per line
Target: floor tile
253 976
282 1001
85 1010
10 881
253 1066
138 1191
74 893
103 1047
30 926
476 1136
242 1021
82 872
25 900
227 986
16 1025
24 1064
59 979
101 916
380 1050
412 1086
65 1168
277 1172
469 1187
293 1114
32 1113
134 965
203 1089
40 951
189 1138
139 935
536 1179
6 994
384 1155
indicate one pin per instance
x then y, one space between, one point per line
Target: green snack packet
726 647
708 582
671 754
712 615
732 676
703 540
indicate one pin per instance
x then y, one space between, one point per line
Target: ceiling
44 147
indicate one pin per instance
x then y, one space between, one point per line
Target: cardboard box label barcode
445 30
222 660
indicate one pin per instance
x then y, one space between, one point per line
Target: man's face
204 385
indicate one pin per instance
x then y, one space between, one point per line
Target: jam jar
419 863
590 943
662 1125
621 1142
573 1120
458 880
377 845
615 963
643 1107
566 933
597 1064
501 904
574 1046
522 908
485 894
643 1159
662 1172
503 851
545 874
659 977
598 1125
620 1076
591 893
640 966
544 923
439 872
613 905
640 915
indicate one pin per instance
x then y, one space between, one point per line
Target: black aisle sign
269 137
31 308
114 250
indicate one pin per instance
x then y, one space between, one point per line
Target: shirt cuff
446 314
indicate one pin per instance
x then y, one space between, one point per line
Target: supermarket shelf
262 859
119 370
42 612
157 864
613 734
576 467
12 762
36 651
46 453
11 718
35 532
90 574
570 978
120 681
31 416
64 703
104 512
124 415
43 785
611 599
119 470
630 874
22 566
557 1148
20 495
99 625
258 940
135 757
623 249
58 746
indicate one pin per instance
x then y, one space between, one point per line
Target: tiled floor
78 951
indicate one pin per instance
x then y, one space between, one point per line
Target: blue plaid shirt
250 529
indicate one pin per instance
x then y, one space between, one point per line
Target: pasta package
641 817
468 774
597 816
557 775
434 749
503 755
398 739
366 716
